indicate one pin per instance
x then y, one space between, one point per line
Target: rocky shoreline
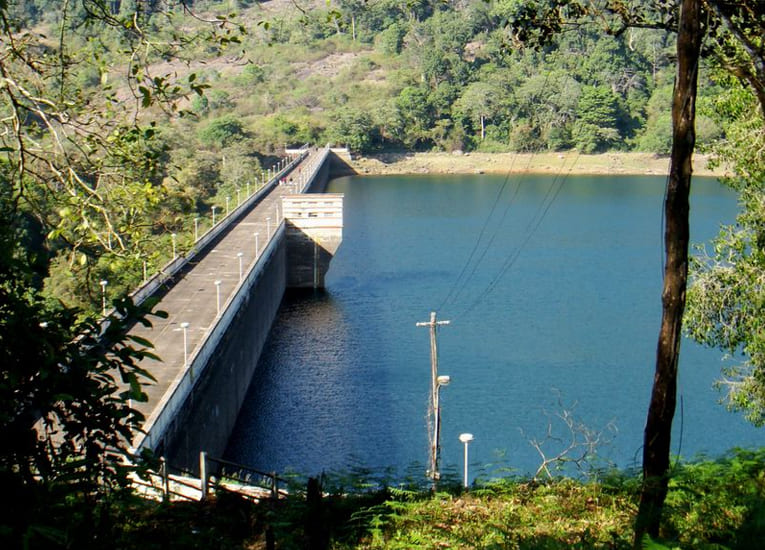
564 163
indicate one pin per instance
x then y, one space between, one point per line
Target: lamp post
103 284
184 327
442 380
238 197
466 438
213 212
240 255
228 200
196 229
173 237
217 293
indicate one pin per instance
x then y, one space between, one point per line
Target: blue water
552 287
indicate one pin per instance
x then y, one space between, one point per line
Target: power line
544 207
460 284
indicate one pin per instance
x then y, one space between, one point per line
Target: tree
221 132
725 305
596 127
80 173
658 430
354 129
737 30
65 388
478 103
88 162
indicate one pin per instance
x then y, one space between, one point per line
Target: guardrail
233 477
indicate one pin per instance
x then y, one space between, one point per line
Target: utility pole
436 382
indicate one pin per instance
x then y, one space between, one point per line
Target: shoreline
564 163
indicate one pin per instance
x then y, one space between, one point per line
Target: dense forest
125 122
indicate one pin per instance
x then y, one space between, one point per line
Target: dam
221 299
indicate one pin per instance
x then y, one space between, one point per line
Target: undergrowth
712 504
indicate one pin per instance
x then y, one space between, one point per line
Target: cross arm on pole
432 322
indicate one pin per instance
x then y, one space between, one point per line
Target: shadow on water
313 372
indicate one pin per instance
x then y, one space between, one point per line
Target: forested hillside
218 88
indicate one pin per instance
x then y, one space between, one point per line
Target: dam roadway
220 304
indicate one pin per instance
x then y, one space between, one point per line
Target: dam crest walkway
202 290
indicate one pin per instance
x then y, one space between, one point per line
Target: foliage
80 191
81 148
721 500
725 304
65 389
221 132
712 504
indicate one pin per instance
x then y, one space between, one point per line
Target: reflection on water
562 292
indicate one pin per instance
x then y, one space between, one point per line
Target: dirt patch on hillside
329 66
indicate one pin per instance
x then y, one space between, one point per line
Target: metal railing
171 483
232 474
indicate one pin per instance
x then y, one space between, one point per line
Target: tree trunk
656 445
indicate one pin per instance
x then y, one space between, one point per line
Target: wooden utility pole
434 413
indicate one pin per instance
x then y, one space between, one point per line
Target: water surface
552 289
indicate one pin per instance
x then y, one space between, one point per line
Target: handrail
272 476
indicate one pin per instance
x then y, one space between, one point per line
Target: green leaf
146 96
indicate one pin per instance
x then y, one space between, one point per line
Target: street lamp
173 237
228 199
185 327
217 293
196 229
213 212
103 284
239 255
442 380
466 438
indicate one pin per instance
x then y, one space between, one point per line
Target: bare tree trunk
656 445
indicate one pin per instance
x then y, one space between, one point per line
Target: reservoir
552 286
